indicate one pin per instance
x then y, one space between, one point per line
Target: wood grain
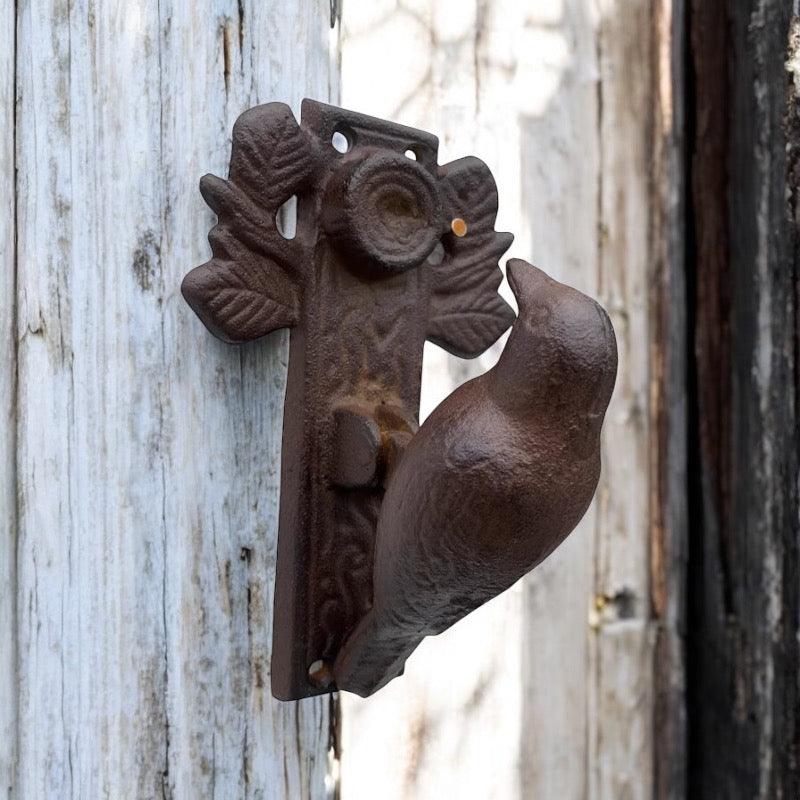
560 168
743 590
669 507
621 735
405 741
147 452
8 375
557 98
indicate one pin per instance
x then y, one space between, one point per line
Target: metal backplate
390 249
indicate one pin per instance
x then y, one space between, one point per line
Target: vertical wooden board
557 98
147 450
623 725
8 370
669 505
228 731
623 281
743 589
425 735
560 181
621 734
85 716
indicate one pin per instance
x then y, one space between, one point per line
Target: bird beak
526 281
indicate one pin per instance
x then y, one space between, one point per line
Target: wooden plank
405 741
668 403
556 97
148 452
226 504
744 563
621 734
8 374
560 169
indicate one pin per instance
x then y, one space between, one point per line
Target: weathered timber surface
550 690
145 464
668 393
425 735
621 665
744 717
560 157
8 688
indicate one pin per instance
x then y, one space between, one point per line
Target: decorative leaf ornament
252 284
467 313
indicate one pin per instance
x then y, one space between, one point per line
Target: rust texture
392 249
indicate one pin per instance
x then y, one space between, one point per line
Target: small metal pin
459 227
319 673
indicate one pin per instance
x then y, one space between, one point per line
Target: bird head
561 357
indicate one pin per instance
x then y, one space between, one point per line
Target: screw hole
411 154
341 140
286 218
319 673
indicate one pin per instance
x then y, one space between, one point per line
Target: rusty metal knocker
389 532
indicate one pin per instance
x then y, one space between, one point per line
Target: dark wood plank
743 456
668 408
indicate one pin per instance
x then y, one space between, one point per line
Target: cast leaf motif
253 283
242 300
467 314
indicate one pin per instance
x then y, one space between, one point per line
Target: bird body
495 479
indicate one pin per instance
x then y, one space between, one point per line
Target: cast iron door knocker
390 532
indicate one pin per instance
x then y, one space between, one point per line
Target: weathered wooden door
138 455
646 151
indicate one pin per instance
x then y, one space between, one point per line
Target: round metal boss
385 210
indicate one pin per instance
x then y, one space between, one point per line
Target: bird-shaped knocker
390 532
496 478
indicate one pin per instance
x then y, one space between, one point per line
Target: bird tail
374 654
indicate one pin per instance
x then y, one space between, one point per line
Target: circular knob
384 210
